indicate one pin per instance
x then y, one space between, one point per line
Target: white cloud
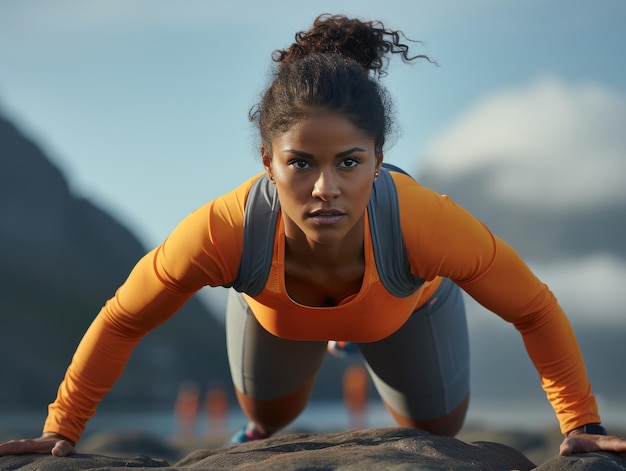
589 289
549 143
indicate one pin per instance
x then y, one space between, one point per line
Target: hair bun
365 42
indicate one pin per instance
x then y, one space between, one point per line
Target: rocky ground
370 449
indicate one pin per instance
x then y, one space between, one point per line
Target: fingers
584 443
612 443
566 447
580 443
39 445
21 447
63 448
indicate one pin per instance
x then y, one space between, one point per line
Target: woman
328 244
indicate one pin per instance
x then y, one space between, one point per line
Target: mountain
62 257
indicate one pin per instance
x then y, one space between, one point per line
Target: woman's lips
327 217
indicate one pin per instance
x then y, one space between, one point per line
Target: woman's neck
308 254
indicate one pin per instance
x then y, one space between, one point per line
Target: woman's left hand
586 442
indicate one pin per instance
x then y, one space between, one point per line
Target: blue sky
143 104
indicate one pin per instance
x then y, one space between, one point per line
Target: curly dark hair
328 68
366 42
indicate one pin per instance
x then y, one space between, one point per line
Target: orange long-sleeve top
442 240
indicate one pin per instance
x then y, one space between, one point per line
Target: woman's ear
267 163
379 163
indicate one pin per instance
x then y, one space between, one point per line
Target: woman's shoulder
220 218
233 201
412 194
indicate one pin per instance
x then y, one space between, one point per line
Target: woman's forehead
327 125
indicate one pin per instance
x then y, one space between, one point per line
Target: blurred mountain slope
61 257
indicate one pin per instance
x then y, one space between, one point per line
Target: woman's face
323 168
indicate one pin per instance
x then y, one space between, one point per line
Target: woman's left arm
511 290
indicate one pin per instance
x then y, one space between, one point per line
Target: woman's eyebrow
306 155
349 151
299 153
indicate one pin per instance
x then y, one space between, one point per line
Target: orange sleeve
107 345
203 250
513 292
450 242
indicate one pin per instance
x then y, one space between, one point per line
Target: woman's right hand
52 443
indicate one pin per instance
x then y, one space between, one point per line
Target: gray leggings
421 371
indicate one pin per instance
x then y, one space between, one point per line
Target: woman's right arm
142 303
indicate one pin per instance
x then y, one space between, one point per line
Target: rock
372 449
128 445
390 448
76 462
588 461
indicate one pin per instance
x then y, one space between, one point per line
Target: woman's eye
349 163
299 164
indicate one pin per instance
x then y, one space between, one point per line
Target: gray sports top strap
261 214
392 261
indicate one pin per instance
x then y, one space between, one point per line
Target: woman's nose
326 186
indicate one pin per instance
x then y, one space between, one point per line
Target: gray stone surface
371 449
